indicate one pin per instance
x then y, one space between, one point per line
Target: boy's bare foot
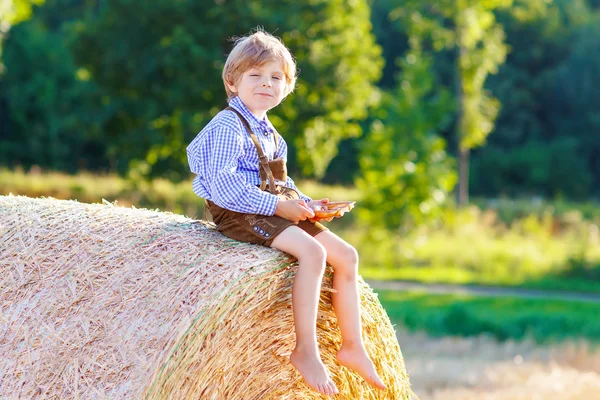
357 359
314 372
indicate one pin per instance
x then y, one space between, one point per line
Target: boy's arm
282 153
229 187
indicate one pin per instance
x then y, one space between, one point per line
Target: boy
234 157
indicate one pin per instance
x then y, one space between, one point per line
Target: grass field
569 260
509 243
507 318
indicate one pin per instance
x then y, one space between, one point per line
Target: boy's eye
253 74
277 77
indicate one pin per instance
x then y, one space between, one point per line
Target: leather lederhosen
261 229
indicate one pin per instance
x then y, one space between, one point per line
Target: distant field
510 243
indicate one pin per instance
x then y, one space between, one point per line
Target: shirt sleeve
228 186
282 153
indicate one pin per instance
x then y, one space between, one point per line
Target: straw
106 302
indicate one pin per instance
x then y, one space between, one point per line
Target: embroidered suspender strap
266 173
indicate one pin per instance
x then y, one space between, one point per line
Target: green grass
461 277
473 246
503 318
516 260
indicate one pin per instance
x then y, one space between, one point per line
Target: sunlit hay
99 301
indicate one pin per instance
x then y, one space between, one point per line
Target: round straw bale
106 302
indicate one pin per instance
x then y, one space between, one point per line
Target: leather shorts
255 228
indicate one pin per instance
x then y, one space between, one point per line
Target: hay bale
99 301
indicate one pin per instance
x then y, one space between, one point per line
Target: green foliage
481 50
406 174
13 12
49 126
151 81
537 114
574 109
159 65
503 318
470 27
536 168
392 36
339 63
546 140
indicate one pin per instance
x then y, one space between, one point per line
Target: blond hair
253 51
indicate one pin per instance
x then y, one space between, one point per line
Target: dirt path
484 291
484 369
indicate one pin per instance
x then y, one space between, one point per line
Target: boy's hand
312 203
293 210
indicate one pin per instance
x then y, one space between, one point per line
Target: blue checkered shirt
225 161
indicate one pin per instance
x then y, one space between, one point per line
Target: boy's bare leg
344 260
305 300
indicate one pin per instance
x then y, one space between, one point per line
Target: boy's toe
332 388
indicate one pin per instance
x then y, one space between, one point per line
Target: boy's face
261 87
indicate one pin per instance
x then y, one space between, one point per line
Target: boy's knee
347 262
352 255
315 253
349 256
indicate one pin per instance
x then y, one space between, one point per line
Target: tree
544 142
469 27
574 100
406 172
391 36
159 65
46 96
11 13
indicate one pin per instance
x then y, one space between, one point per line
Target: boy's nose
267 83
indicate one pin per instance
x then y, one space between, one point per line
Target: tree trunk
463 178
463 152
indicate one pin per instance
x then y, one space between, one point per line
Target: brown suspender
265 169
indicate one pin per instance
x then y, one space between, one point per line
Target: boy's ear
231 87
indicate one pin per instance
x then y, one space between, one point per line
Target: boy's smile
261 87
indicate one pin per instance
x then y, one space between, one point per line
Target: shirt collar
255 124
